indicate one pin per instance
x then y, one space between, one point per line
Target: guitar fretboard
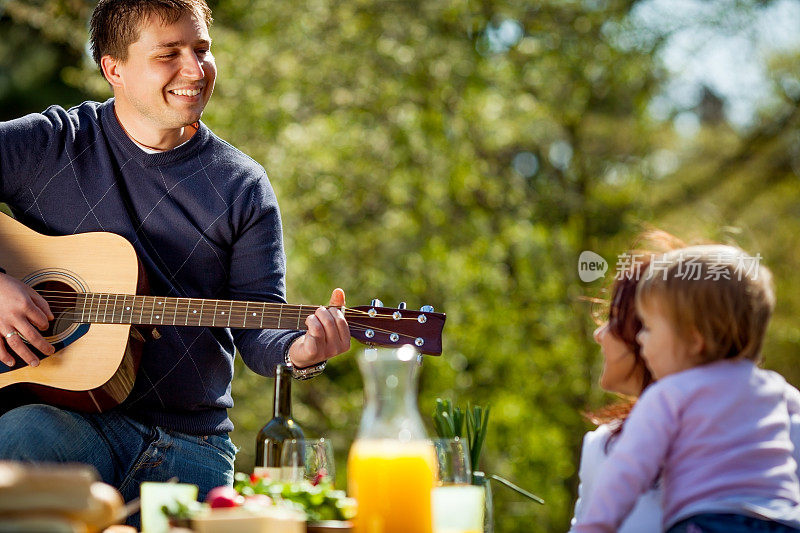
153 310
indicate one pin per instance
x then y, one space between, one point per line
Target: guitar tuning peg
401 305
426 309
376 303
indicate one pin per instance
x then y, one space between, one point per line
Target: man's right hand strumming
22 310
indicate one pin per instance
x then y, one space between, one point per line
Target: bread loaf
105 507
45 487
55 498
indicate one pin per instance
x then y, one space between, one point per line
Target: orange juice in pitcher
392 482
392 465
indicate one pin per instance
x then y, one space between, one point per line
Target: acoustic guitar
95 296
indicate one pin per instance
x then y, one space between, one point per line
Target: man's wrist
306 372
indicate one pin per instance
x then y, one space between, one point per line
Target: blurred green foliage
462 154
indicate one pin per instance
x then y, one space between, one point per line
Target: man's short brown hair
719 291
115 24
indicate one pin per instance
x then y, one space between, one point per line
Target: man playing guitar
204 222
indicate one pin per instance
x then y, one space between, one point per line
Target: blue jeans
124 451
727 523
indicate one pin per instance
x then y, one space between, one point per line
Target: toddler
713 426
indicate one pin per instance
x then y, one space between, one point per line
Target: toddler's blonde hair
719 291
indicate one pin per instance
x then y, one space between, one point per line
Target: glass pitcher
392 464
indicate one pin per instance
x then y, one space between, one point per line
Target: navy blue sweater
208 227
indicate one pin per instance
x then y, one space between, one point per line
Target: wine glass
309 459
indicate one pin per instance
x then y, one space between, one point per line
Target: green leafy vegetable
320 502
448 422
477 426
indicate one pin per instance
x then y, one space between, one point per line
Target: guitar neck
375 325
102 308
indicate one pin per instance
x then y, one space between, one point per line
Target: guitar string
73 295
352 326
357 327
237 309
166 317
255 307
77 293
223 305
377 330
65 296
233 313
236 314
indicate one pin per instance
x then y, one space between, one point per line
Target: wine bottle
282 427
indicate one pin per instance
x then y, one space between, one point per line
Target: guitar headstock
387 326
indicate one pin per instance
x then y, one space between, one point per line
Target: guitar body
93 368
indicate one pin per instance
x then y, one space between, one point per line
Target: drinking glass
310 459
458 506
452 458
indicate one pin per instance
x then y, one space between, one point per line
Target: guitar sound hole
62 300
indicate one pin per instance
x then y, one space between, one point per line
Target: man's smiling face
169 74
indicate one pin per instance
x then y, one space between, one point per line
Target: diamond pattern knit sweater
206 224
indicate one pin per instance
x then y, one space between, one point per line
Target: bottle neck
390 397
282 404
398 397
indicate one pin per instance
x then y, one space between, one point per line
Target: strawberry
320 475
223 496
